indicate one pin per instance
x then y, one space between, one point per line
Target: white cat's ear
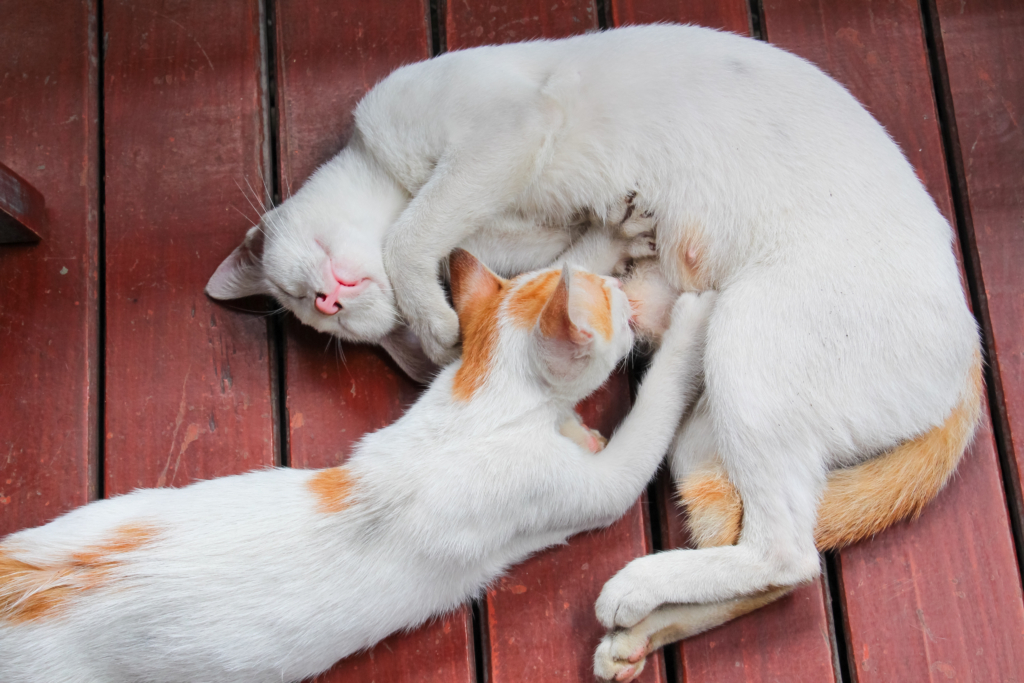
564 343
471 280
241 273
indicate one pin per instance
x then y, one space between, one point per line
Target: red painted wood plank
470 23
728 15
22 209
188 381
549 631
328 56
791 639
983 44
938 599
49 307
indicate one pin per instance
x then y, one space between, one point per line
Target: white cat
274 575
841 332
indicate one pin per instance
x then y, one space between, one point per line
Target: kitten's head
320 253
564 328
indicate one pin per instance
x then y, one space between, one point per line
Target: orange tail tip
860 501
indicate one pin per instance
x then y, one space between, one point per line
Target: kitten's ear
564 343
471 280
241 273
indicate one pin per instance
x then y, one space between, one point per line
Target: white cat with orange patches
273 576
842 370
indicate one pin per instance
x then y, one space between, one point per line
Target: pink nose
328 303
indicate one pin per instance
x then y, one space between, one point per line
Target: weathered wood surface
471 23
49 292
22 209
327 57
727 15
937 599
188 381
791 639
983 44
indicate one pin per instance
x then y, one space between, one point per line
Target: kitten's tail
858 501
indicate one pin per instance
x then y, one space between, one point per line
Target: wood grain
188 381
49 292
983 44
474 22
938 599
22 209
727 15
328 56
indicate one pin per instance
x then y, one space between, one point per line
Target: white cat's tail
860 501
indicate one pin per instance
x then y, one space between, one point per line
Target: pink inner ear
470 279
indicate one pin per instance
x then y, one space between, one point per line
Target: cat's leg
773 456
473 183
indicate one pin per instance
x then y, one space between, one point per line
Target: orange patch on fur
478 324
332 489
526 302
714 508
863 500
598 304
860 501
29 592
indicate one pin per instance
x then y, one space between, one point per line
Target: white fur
841 329
246 581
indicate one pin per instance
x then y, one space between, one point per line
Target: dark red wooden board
983 44
49 292
328 56
791 639
728 15
188 381
938 599
22 209
469 23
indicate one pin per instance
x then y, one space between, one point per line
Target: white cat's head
320 253
565 328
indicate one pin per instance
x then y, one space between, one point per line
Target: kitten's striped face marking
34 591
568 325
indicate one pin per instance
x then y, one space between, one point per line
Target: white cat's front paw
628 597
621 656
439 333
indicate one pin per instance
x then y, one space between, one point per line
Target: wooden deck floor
146 122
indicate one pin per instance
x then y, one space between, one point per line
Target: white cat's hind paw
621 656
629 596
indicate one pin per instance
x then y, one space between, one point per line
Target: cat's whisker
254 208
255 194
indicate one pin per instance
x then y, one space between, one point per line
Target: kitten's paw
629 596
439 333
621 656
691 309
